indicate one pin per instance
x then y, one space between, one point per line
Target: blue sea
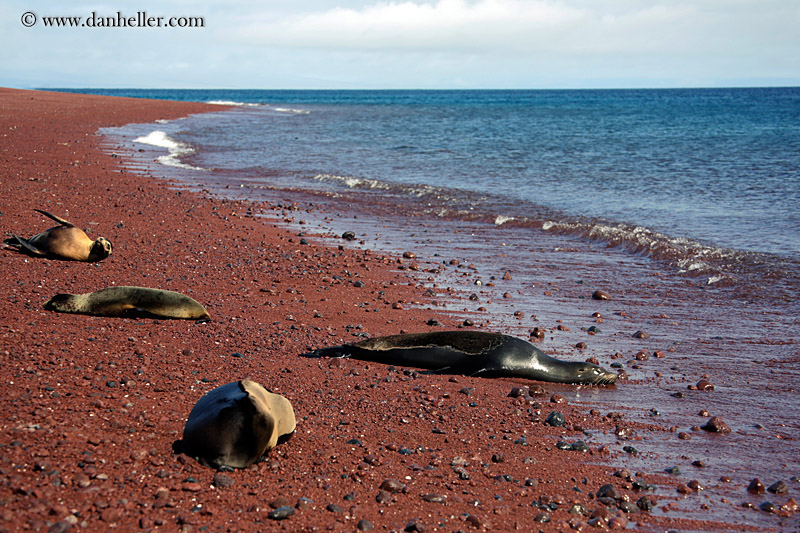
683 204
707 180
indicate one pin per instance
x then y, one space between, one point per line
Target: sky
404 44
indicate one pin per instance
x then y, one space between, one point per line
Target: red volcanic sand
91 406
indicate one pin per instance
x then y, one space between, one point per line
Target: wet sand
91 406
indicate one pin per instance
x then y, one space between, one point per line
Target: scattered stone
703 384
304 503
364 525
779 487
716 425
333 508
557 398
600 295
392 485
349 236
434 498
461 472
477 522
281 513
790 506
641 335
537 334
756 487
280 501
414 526
579 446
555 419
63 525
768 507
222 480
519 392
609 491
644 503
695 485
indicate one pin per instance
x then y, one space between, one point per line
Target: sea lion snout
597 375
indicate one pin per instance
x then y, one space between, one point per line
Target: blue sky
368 44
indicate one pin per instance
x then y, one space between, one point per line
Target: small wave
501 219
233 103
176 149
353 182
291 110
688 256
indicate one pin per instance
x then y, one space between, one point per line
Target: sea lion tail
57 219
24 246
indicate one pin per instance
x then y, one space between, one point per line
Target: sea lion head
64 303
100 250
593 374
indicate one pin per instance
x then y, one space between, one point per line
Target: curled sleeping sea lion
65 241
471 353
129 302
235 424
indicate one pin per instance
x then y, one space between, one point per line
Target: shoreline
94 404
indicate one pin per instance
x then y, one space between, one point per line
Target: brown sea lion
471 353
65 241
235 424
129 302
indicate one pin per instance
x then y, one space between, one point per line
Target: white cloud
409 25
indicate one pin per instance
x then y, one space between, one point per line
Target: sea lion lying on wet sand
131 302
471 353
65 241
235 425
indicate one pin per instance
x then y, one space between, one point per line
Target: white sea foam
291 110
502 219
232 103
353 182
176 149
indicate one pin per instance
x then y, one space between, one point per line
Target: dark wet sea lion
471 353
235 424
65 241
129 302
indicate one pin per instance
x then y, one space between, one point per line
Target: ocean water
707 180
683 204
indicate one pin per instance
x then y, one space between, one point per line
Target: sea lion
131 302
471 353
235 424
65 241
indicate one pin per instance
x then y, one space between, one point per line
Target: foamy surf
175 148
232 103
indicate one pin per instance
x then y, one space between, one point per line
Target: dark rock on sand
779 487
716 425
555 419
281 513
756 487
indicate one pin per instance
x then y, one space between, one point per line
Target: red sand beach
91 406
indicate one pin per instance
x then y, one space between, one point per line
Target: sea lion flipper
57 219
28 246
